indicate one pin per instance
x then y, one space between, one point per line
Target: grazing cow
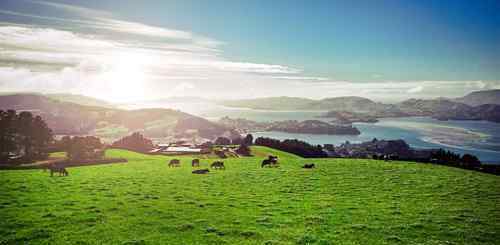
174 163
218 165
195 163
390 157
201 171
309 165
57 169
271 161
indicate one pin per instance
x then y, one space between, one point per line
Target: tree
84 148
134 142
243 150
237 141
294 146
7 134
248 139
222 141
469 161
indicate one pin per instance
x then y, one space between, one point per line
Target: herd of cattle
270 162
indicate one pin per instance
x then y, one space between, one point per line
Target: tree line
294 146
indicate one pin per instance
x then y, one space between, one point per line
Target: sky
130 50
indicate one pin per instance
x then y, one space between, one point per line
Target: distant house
180 147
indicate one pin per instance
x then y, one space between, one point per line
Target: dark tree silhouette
24 135
469 161
237 141
294 146
7 134
222 141
243 150
248 139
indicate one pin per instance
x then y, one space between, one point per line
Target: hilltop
481 98
270 103
110 123
342 201
81 100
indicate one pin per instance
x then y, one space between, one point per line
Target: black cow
218 165
309 165
201 171
271 161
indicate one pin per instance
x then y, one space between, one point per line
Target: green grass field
342 201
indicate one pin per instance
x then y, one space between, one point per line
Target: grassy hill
343 201
81 100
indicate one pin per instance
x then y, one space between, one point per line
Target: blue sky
377 49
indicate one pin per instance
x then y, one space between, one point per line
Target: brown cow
195 163
174 163
61 170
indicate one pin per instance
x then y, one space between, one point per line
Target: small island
346 117
289 126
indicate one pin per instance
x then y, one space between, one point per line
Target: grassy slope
343 201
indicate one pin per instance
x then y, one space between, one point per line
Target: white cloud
183 87
416 89
303 78
64 60
87 12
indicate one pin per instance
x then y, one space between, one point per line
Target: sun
126 77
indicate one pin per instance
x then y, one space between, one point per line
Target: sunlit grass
342 201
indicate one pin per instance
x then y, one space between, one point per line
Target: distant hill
481 98
109 123
465 108
270 103
289 126
81 99
348 103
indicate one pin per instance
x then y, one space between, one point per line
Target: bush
134 142
83 148
243 150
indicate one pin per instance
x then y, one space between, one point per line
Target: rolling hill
342 201
81 100
481 98
110 124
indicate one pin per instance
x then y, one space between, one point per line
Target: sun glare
126 76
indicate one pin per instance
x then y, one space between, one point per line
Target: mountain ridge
440 108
